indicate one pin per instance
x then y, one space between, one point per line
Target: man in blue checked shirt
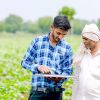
49 55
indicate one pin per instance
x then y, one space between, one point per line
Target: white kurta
87 78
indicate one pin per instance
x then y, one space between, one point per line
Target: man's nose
60 36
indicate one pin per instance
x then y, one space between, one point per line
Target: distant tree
98 23
30 27
44 24
2 26
78 25
13 23
34 28
26 26
67 11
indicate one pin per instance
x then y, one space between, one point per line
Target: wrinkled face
89 43
57 34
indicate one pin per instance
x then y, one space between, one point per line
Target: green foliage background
14 23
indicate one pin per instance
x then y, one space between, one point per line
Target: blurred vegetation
67 11
14 24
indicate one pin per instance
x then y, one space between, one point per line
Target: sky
34 9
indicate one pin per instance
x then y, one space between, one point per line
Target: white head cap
92 32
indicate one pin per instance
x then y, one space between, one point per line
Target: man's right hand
44 69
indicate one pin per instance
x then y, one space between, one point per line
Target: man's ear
51 27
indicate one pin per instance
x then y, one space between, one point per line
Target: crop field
15 81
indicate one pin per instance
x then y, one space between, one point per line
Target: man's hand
44 69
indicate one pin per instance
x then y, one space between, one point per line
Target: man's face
57 34
89 43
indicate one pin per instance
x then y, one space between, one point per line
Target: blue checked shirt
41 52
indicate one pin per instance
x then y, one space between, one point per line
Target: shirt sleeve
28 60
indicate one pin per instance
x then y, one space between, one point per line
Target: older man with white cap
87 66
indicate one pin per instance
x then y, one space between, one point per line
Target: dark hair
62 22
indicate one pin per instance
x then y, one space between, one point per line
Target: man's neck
52 40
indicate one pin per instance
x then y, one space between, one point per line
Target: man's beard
56 39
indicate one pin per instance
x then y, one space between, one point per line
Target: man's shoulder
40 38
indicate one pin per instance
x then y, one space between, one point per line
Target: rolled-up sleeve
28 60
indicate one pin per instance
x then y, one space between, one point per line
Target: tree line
14 23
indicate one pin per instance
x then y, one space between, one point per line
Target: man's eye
85 39
58 33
